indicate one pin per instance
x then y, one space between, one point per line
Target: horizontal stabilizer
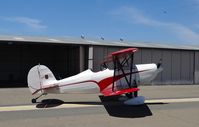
44 88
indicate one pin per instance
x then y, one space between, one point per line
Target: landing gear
135 93
134 99
34 100
132 95
129 95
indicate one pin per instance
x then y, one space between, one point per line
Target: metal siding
138 57
197 60
166 63
90 52
110 50
156 56
90 57
196 74
81 58
113 49
105 52
175 69
98 57
191 73
146 56
95 42
185 67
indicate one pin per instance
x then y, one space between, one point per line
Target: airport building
69 56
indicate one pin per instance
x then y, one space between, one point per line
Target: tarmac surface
176 106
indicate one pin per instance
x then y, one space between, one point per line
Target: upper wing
109 92
124 51
119 54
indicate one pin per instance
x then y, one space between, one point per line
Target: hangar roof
102 42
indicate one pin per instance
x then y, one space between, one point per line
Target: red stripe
108 81
64 85
109 92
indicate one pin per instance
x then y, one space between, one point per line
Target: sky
158 21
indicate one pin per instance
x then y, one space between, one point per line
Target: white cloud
32 23
135 16
196 1
185 34
196 26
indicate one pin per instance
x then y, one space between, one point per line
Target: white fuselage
87 81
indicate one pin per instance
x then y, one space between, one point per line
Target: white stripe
33 107
173 100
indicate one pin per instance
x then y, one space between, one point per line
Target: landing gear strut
132 94
34 100
129 95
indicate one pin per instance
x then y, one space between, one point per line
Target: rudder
39 76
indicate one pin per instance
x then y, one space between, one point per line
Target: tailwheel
34 100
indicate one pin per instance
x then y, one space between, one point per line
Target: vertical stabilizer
39 77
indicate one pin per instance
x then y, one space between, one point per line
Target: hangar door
17 59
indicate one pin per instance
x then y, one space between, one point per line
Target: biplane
118 76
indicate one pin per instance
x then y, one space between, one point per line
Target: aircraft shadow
116 108
113 107
50 103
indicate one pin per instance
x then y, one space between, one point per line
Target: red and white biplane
119 75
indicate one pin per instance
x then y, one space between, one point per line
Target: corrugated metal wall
196 66
178 64
100 53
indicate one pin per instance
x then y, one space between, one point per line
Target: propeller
159 63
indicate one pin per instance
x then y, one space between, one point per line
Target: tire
33 100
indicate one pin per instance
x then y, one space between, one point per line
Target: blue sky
165 21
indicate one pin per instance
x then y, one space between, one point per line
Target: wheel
135 93
33 100
129 95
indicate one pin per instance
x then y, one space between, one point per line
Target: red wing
124 51
120 54
109 92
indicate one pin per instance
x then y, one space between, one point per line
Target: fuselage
95 82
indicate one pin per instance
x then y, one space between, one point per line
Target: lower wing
109 92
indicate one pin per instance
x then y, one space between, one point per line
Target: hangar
69 56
